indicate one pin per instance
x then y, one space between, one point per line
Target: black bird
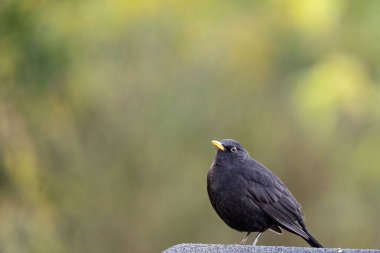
251 198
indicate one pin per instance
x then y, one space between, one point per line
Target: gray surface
236 248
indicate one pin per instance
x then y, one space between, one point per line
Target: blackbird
248 197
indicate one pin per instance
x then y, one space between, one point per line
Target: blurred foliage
107 109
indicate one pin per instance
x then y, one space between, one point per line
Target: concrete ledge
236 248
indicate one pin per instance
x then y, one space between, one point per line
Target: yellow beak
218 145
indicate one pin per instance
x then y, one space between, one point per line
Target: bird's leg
245 238
256 239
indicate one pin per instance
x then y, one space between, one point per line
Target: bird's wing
268 193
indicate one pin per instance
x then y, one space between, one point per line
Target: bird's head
229 151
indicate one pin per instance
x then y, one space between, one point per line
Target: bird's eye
233 149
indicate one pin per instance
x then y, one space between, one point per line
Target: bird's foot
256 239
245 238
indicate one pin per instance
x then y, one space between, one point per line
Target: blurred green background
107 109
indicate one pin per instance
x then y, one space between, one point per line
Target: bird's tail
312 241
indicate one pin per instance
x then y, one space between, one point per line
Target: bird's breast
225 185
